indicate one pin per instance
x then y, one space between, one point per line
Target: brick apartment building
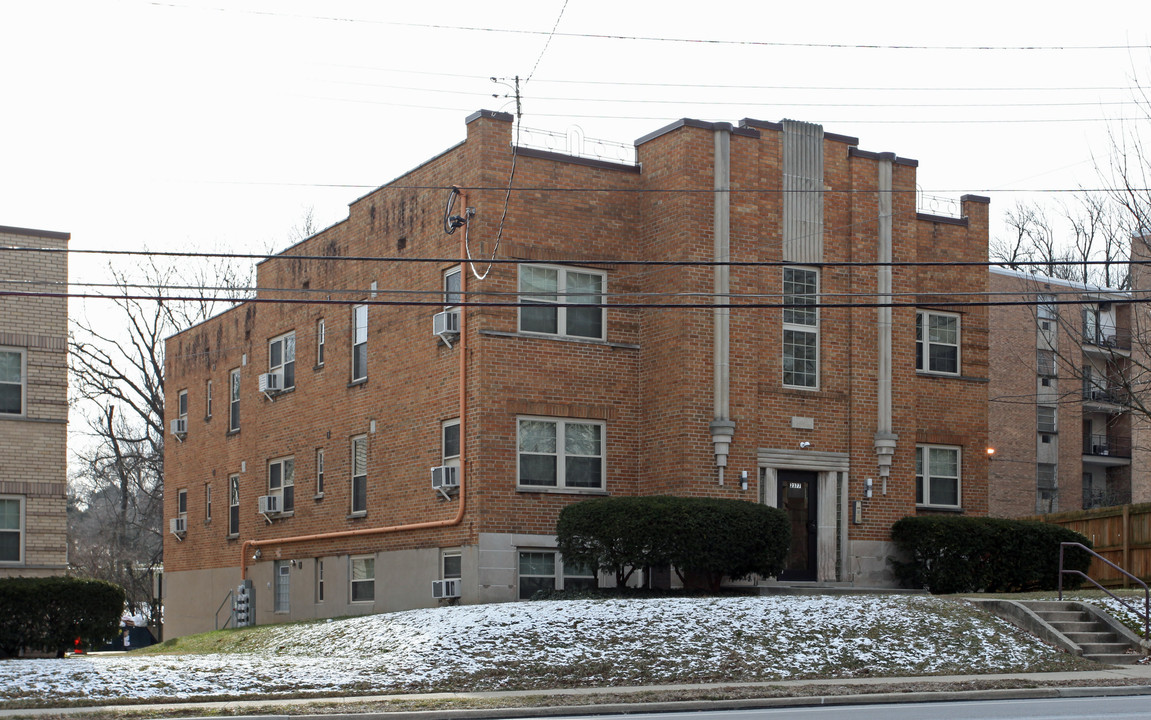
33 406
553 378
1065 367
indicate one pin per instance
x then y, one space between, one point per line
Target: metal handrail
231 614
1146 590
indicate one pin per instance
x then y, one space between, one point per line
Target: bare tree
117 369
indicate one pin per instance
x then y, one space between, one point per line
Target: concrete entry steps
1099 640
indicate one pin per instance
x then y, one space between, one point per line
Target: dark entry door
797 497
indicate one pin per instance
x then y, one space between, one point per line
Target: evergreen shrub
979 554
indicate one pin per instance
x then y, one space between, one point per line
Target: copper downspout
463 344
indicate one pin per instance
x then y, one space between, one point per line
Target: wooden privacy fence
1122 534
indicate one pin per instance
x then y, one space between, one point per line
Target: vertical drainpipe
885 439
722 426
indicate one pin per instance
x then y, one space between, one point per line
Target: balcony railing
1109 395
1110 338
1107 446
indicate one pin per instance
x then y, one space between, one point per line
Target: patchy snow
561 643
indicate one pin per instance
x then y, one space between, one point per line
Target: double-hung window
360 475
359 343
936 342
560 454
182 503
208 400
13 376
319 472
182 406
453 287
234 402
282 358
450 443
282 482
937 476
234 505
11 530
363 579
207 503
451 565
800 327
544 289
320 333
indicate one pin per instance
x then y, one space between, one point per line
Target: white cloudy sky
216 123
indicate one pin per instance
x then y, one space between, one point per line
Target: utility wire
651 38
582 261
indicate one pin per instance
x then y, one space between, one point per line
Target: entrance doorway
796 494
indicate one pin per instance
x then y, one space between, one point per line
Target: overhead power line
439 303
653 38
580 261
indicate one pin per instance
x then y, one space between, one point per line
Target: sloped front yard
541 645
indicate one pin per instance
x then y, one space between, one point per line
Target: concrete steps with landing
1097 639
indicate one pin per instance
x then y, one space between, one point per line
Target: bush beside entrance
703 539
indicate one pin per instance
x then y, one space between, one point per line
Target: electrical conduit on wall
250 545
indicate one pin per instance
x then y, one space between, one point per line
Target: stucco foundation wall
192 596
870 565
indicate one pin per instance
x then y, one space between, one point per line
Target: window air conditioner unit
446 323
178 525
180 426
445 477
446 588
270 382
269 504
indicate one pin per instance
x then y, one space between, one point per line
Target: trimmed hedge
49 614
704 539
979 554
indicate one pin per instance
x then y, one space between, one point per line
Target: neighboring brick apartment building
1064 365
535 407
33 405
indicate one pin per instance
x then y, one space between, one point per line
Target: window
363 579
234 405
561 454
544 287
208 400
1091 325
207 503
537 572
12 381
937 475
182 405
545 570
1045 363
282 482
1045 418
450 443
936 342
359 343
453 287
360 475
12 529
283 569
234 505
319 580
1046 309
1047 488
319 472
320 342
800 328
451 566
282 358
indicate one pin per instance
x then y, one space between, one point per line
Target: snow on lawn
560 644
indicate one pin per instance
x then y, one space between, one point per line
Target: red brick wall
651 382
